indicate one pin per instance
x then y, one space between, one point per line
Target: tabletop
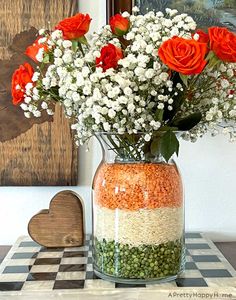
30 269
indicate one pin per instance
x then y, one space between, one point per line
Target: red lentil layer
136 186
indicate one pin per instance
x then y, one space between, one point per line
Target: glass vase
138 213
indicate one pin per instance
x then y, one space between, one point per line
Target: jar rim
139 132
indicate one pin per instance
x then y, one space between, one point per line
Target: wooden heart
62 224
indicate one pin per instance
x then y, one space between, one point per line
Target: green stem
125 147
81 48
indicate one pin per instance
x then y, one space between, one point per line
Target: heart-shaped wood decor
62 224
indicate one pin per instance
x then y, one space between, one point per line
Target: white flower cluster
133 97
215 97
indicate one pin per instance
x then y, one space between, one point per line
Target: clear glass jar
138 214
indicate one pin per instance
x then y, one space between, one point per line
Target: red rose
119 25
110 55
75 27
203 36
20 78
33 50
184 56
223 43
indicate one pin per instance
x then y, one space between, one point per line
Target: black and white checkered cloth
30 267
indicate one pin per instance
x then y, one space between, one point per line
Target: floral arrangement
152 73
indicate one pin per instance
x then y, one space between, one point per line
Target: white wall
209 173
208 168
19 204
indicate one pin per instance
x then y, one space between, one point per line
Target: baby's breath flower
135 9
133 95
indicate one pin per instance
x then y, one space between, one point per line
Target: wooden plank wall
45 154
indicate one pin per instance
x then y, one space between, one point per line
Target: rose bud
20 78
33 50
75 27
110 55
119 25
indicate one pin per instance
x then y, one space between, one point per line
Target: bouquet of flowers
154 74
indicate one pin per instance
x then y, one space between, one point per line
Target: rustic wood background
30 153
62 225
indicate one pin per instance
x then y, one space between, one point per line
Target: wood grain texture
229 251
45 154
61 225
20 15
12 121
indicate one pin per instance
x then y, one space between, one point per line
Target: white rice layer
144 226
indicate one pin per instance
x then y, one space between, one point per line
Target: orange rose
110 55
75 27
33 50
184 56
223 43
119 25
20 78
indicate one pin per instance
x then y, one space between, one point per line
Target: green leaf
188 122
212 59
46 58
83 40
159 115
119 32
166 128
169 145
184 78
74 45
213 62
155 147
210 55
146 147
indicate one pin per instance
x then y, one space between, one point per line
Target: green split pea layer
142 262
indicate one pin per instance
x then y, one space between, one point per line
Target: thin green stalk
124 146
81 48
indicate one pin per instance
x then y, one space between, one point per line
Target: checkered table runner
30 267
